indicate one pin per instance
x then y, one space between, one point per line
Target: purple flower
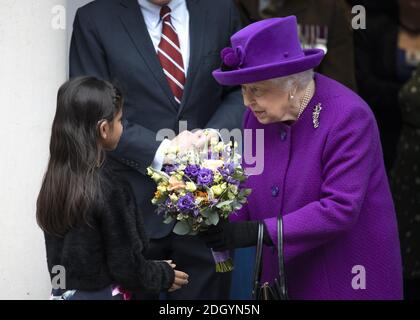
205 177
233 58
213 202
186 203
227 170
233 181
170 168
192 171
196 212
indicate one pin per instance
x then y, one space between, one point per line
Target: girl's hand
181 278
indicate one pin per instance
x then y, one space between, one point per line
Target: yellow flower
162 188
233 188
217 190
217 177
173 197
231 196
190 186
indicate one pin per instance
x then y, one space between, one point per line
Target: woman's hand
181 278
228 236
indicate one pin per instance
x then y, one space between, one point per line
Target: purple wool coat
330 186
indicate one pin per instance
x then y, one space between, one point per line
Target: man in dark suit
161 53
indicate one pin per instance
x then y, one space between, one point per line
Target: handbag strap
258 260
280 251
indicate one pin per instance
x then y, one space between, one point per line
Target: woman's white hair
300 80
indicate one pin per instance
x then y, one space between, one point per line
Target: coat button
275 191
283 135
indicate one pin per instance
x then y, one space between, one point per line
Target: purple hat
265 50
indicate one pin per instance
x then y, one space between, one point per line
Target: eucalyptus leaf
205 213
168 220
182 228
236 206
213 218
224 203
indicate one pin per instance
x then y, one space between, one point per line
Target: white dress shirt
180 19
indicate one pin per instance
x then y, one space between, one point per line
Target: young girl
89 217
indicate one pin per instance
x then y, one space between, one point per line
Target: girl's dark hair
72 183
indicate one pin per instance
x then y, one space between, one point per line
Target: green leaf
205 212
213 218
224 203
182 228
245 192
236 206
168 220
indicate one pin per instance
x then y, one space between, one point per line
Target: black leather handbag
278 289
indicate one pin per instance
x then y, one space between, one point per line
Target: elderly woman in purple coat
323 172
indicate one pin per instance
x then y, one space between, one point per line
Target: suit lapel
198 17
133 21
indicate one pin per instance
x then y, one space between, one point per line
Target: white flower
170 158
219 147
212 164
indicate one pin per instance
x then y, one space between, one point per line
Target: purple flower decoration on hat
232 58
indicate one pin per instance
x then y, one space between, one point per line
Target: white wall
32 66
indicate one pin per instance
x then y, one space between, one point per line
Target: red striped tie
170 56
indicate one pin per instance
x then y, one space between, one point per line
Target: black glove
228 236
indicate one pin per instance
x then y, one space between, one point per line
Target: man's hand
206 137
183 142
187 140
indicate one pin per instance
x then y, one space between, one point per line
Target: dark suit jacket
249 10
111 41
376 65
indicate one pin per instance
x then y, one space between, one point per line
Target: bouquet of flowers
200 187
